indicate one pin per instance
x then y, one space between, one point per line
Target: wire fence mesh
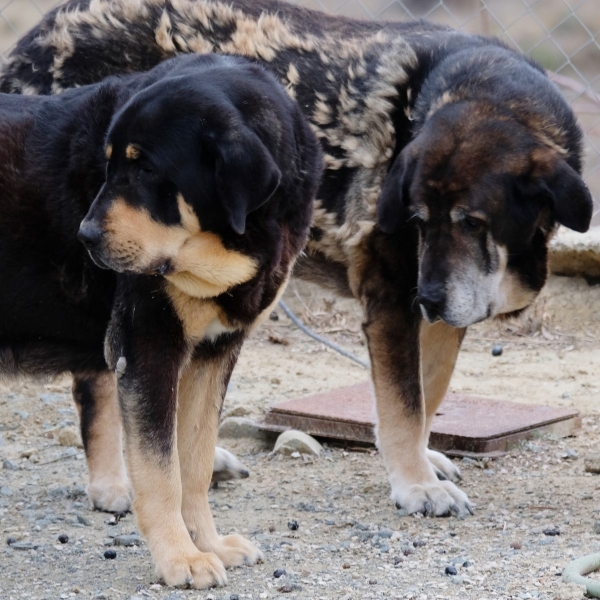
562 35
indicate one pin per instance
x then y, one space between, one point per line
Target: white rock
297 441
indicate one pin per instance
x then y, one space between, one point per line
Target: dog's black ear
572 200
246 175
394 198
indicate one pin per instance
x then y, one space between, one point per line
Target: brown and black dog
450 159
191 188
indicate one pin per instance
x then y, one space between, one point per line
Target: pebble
516 545
11 540
451 570
278 573
63 538
497 350
297 441
596 526
293 525
570 453
127 540
10 465
234 597
6 491
240 427
551 532
23 546
110 554
591 463
69 436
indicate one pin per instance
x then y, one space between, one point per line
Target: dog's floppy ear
246 175
572 200
391 207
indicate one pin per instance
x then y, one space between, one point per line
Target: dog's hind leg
201 391
95 396
440 344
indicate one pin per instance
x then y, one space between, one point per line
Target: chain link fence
562 35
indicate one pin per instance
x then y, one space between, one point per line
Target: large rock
240 427
297 441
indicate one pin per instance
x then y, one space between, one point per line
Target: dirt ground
536 508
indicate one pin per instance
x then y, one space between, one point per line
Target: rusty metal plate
463 423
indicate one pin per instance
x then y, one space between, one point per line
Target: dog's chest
201 319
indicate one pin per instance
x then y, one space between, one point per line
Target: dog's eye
474 224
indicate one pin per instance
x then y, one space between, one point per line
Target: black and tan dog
192 188
449 159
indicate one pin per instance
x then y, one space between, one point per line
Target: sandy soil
351 542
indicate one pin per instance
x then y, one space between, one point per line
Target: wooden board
463 423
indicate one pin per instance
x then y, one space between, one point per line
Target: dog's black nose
433 300
89 235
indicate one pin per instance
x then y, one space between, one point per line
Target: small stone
127 540
451 570
293 525
63 538
278 573
274 316
69 436
6 491
110 554
234 597
84 521
271 528
53 398
592 463
23 546
10 465
596 526
497 350
418 543
346 565
551 532
372 581
397 560
297 441
516 545
570 454
11 540
240 427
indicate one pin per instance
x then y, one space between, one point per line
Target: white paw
198 570
434 498
227 466
444 468
110 497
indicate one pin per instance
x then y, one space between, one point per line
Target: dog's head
485 192
185 168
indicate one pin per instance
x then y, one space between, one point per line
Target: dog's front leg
201 392
149 351
440 344
394 336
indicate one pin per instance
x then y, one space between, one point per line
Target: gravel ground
536 508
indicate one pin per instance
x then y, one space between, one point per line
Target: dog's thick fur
194 183
450 159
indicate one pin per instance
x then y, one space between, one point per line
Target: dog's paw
198 570
444 468
227 466
110 497
435 498
235 550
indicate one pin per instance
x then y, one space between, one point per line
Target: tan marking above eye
131 152
108 151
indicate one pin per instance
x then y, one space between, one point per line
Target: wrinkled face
483 202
